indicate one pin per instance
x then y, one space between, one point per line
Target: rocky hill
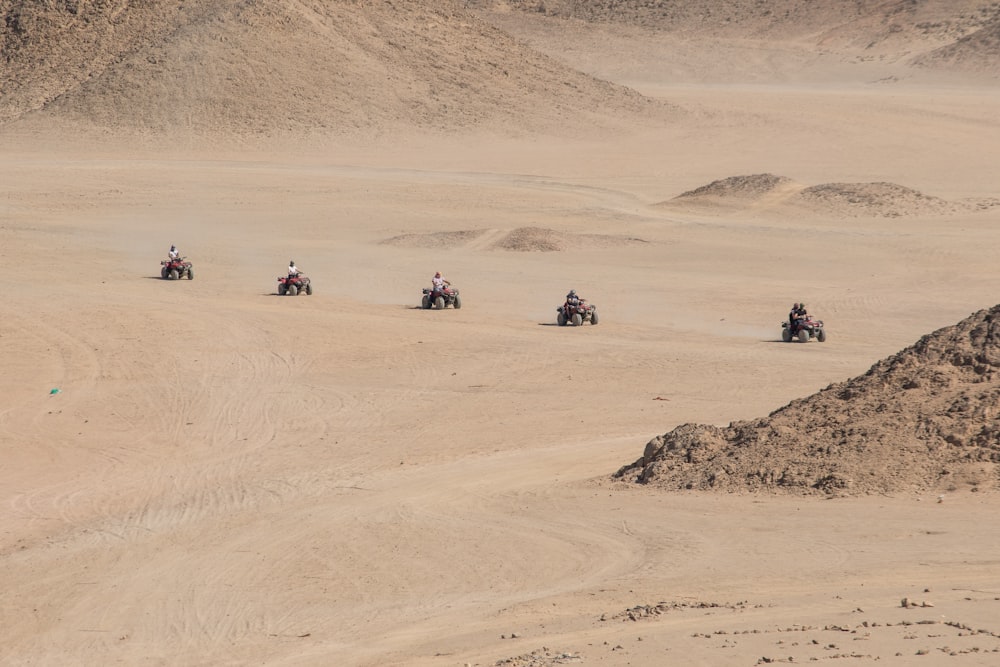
925 419
250 67
977 51
956 34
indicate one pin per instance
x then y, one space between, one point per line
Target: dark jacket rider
798 314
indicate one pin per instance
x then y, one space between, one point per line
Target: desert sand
201 472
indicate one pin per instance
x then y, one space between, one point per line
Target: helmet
802 306
572 292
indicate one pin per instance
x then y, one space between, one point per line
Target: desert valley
203 472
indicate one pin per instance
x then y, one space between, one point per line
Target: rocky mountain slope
955 34
319 67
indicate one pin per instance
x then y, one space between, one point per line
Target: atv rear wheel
425 302
174 275
786 335
439 303
458 301
803 336
561 319
821 335
163 272
577 319
282 289
293 290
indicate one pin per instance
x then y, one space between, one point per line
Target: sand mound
522 239
927 418
728 196
287 67
532 239
753 186
537 239
873 200
856 200
436 239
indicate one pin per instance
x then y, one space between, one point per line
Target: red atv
294 285
803 330
174 269
439 298
576 313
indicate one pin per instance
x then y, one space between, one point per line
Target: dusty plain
226 476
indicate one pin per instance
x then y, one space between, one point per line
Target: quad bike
576 313
294 285
173 269
440 298
803 330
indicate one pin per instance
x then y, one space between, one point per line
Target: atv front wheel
439 303
803 336
593 317
458 301
190 273
174 275
821 335
293 290
577 319
309 289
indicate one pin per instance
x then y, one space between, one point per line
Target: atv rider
798 316
573 299
438 283
293 271
174 254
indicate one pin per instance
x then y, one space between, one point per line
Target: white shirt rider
174 253
293 270
438 282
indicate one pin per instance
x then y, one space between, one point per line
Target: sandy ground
230 477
